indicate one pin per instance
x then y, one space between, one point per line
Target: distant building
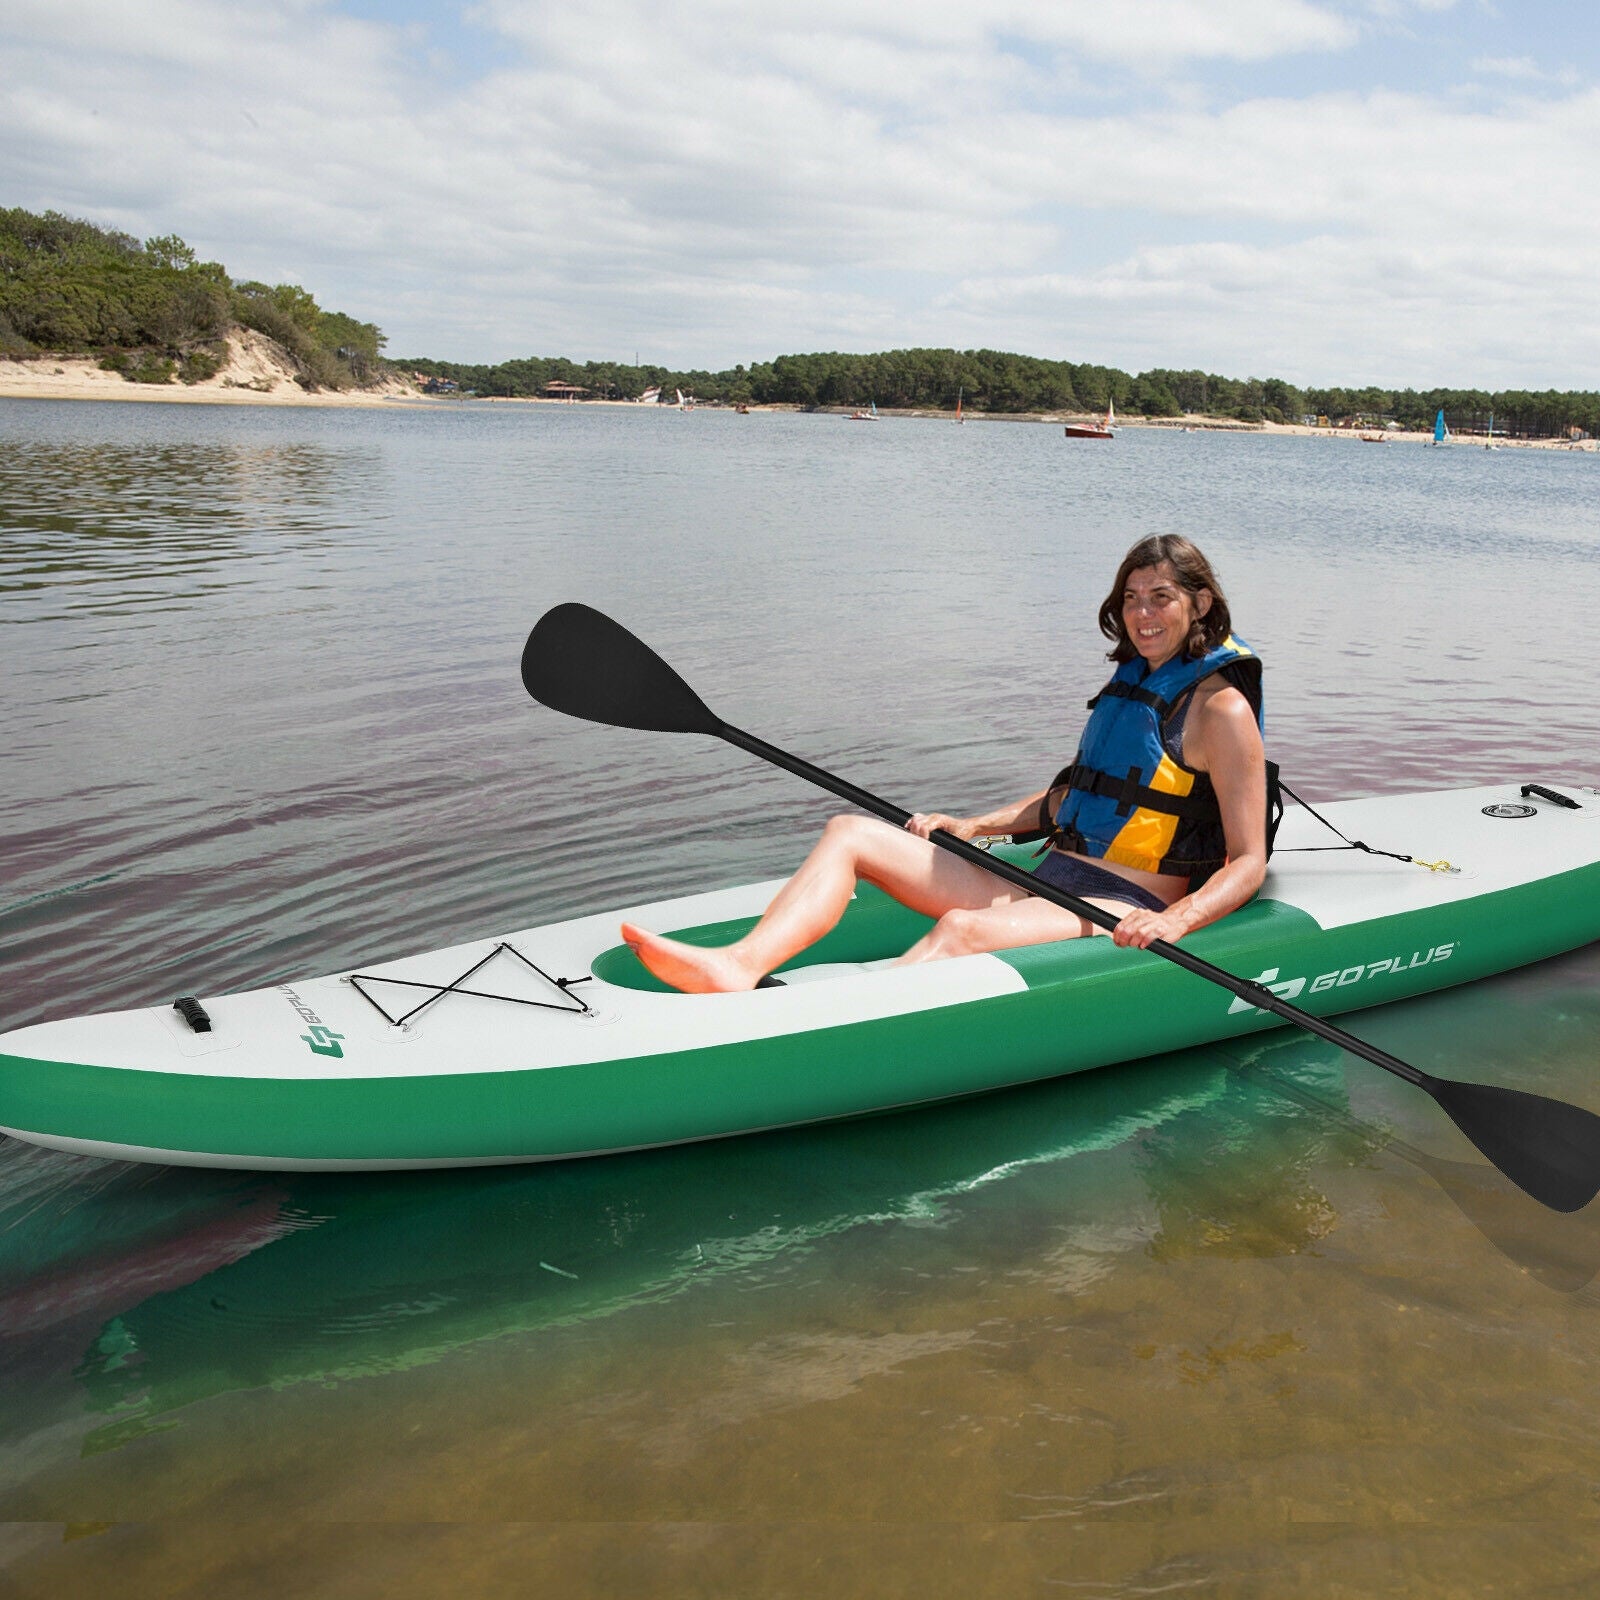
556 390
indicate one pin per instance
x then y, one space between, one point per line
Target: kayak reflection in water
1161 816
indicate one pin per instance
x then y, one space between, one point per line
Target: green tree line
153 311
996 381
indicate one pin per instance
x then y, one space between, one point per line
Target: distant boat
685 402
1489 444
649 397
959 417
1095 430
1441 429
742 409
866 416
1374 438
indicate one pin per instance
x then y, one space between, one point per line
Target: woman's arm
1021 816
1222 739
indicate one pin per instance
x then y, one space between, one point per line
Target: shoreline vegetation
155 314
90 313
256 375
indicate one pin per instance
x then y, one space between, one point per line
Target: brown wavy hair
1194 575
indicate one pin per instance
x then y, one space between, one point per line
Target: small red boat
1094 430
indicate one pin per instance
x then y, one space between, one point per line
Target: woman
1161 817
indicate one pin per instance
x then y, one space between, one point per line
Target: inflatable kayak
554 1042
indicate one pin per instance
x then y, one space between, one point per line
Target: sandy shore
257 373
1401 436
1199 422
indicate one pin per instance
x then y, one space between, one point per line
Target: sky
1399 192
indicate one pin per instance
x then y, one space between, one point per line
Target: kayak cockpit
875 928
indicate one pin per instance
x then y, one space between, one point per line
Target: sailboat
1489 444
959 417
1441 429
1095 430
870 415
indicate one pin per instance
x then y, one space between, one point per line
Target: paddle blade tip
1548 1148
578 661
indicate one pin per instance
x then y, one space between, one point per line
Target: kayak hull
316 1075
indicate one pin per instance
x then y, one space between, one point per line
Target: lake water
1249 1320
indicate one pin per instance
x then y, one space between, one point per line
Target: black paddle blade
579 661
1548 1148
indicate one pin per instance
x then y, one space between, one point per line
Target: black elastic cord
359 980
1349 844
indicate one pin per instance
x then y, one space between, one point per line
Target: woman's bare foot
688 967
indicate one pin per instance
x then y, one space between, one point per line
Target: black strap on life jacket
1244 675
1051 803
1130 794
1133 691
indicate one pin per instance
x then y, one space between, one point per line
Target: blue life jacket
1128 799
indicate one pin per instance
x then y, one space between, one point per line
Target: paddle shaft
1243 988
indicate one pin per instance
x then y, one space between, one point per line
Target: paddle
579 661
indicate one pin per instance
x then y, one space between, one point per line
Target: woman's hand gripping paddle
579 661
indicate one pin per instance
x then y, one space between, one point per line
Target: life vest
1127 800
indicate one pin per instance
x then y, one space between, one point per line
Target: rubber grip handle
192 1012
1549 794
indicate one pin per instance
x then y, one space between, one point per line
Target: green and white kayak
554 1042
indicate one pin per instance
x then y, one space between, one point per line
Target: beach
255 373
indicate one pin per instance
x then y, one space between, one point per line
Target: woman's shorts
1085 879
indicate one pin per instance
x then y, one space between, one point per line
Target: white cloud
1523 69
1325 309
1508 66
1133 32
723 182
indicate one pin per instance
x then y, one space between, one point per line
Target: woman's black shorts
1085 879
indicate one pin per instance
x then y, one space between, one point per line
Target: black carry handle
192 1012
1549 794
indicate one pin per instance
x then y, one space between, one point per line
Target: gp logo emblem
322 1039
1343 977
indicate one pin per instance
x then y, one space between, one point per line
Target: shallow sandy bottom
1261 1349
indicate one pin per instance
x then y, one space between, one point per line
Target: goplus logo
1342 978
322 1039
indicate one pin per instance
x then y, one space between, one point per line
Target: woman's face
1158 612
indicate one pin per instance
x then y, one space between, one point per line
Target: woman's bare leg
916 872
965 931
